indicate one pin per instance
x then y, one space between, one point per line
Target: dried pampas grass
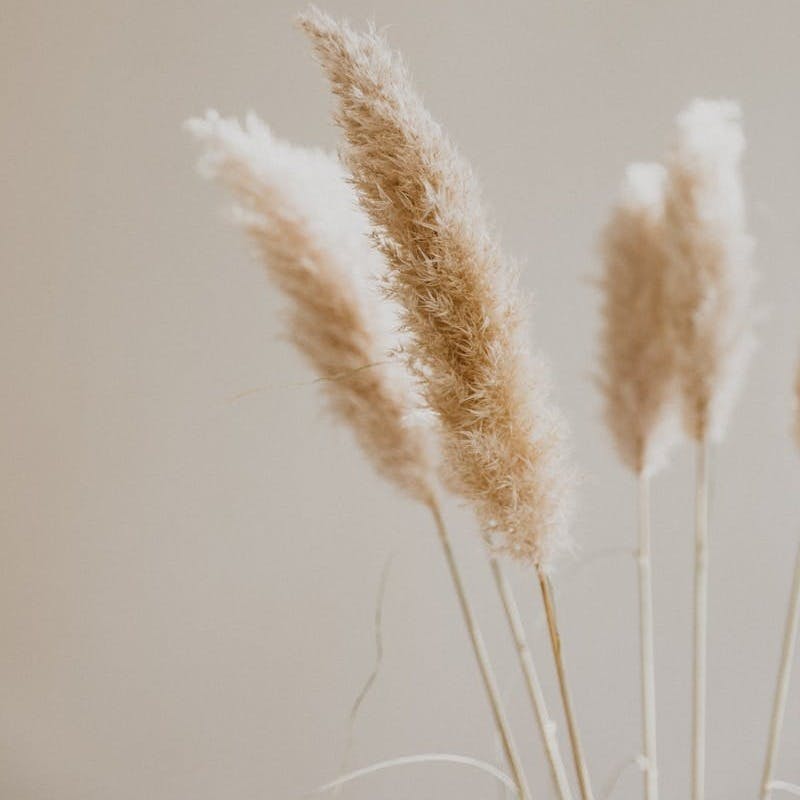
303 218
677 333
504 444
708 297
637 357
302 214
639 382
709 276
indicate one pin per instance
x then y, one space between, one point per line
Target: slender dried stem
408 761
566 698
700 621
546 725
648 676
782 688
482 656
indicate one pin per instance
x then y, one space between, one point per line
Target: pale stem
648 675
700 621
424 758
566 698
546 725
782 688
482 656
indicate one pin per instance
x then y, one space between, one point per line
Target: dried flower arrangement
438 358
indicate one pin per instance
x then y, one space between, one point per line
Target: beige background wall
187 583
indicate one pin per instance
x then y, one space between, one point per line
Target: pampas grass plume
304 220
710 277
503 442
637 358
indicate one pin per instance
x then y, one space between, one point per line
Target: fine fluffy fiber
638 377
303 217
709 275
503 442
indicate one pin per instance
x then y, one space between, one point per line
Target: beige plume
503 442
638 359
710 278
303 217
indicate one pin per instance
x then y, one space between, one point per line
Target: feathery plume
503 443
709 277
302 215
638 359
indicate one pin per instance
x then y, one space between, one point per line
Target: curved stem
546 725
376 668
648 676
700 621
425 758
479 648
566 698
782 688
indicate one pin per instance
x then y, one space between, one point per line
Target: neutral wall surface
189 568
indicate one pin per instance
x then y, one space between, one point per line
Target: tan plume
637 357
503 442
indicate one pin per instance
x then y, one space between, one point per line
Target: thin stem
479 648
782 689
546 725
424 758
373 676
648 673
700 621
566 698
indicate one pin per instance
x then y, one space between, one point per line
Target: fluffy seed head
710 277
637 356
304 220
503 442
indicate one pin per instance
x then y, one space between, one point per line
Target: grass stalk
547 727
782 687
482 657
566 698
700 621
648 676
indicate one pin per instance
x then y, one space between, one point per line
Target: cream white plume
710 277
300 212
